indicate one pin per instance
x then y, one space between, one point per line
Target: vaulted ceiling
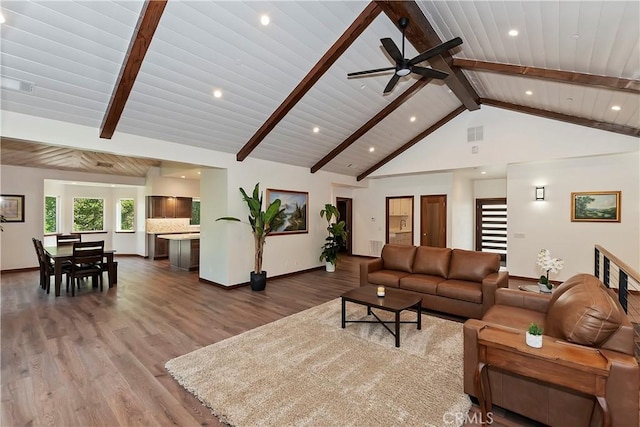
151 69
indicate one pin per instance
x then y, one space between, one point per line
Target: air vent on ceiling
475 134
104 165
16 85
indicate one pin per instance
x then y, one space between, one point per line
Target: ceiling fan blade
437 50
391 84
378 70
391 49
429 72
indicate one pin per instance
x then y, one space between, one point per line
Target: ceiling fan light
403 72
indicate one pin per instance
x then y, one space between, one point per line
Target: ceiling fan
405 66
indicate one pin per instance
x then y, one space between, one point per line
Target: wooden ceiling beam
604 82
390 108
423 36
339 47
422 135
610 127
141 39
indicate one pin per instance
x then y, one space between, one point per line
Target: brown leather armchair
583 312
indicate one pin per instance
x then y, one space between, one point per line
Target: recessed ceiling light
616 108
529 93
264 20
372 149
483 172
182 176
113 185
513 33
316 129
198 172
2 20
412 119
575 36
217 93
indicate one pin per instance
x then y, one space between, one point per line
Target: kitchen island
184 250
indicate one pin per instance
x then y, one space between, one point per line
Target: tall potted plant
336 239
260 222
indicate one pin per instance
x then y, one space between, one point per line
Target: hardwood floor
98 359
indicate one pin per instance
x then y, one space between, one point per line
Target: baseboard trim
19 270
243 284
364 256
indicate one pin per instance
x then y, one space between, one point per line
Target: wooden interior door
433 221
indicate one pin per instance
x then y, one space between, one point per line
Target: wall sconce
539 193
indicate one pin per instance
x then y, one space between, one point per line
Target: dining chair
68 239
47 269
87 261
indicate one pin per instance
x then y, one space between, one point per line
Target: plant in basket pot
547 265
337 237
261 225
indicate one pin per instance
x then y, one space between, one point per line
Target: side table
578 368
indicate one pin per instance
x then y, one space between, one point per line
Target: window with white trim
125 217
88 214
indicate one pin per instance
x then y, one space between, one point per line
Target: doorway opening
400 220
344 205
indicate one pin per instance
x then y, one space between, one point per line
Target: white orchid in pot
547 265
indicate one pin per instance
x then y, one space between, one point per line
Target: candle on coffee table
380 291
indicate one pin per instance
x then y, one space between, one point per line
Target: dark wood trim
19 270
423 36
364 256
610 127
138 46
605 82
372 122
243 284
339 47
412 142
348 221
125 232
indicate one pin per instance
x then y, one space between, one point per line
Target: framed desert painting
595 206
12 208
294 219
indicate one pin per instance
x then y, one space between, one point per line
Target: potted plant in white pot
547 265
260 222
336 239
534 336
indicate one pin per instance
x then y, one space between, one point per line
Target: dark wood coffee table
395 301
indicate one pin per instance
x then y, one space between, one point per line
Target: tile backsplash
169 225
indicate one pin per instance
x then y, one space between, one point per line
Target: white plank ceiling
73 51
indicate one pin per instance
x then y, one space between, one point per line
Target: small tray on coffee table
395 301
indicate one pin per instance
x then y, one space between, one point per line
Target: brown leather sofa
581 311
453 281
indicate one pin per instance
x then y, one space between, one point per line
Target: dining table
60 254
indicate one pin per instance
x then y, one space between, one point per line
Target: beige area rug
305 370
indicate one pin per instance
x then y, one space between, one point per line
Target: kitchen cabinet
168 207
158 248
400 207
405 206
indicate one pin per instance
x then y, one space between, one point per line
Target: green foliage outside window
126 214
50 214
88 214
195 212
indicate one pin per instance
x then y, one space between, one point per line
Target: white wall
177 187
17 248
462 212
509 137
489 188
547 224
369 206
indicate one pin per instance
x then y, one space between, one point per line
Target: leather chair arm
369 267
623 382
470 334
523 299
490 284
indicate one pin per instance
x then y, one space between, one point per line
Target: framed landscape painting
12 208
294 219
595 206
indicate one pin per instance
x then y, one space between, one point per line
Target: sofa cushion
421 283
386 277
584 313
461 290
432 261
398 257
473 266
